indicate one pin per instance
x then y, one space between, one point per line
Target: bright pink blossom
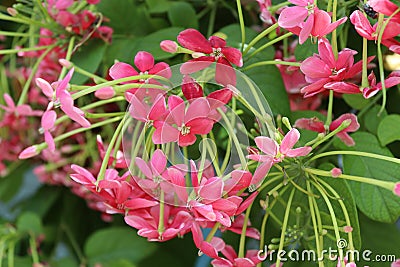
20 110
211 248
182 125
305 19
325 72
232 259
392 80
148 114
316 125
273 152
176 223
212 50
364 28
48 119
144 62
58 94
265 14
385 7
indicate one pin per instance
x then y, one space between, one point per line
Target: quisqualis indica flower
48 119
232 258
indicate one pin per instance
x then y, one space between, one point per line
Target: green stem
258 50
27 84
232 135
74 244
355 153
364 80
284 225
314 221
20 34
259 37
68 56
345 212
213 231
243 234
333 216
27 49
380 59
104 164
211 23
371 181
241 22
115 82
341 127
161 227
10 254
334 35
32 245
272 62
330 107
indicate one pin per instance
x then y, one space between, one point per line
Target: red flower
212 50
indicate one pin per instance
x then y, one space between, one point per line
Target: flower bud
105 93
169 46
397 189
12 11
336 172
28 152
347 229
65 63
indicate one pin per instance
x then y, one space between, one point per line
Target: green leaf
158 6
29 222
356 101
11 183
117 243
126 17
389 130
380 239
377 203
371 119
88 58
305 50
182 14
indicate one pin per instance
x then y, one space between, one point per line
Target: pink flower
396 263
385 7
306 19
144 62
397 189
176 223
154 170
182 125
119 161
324 72
314 124
142 112
265 14
392 80
273 152
58 94
364 28
48 119
232 258
20 110
211 248
343 134
212 50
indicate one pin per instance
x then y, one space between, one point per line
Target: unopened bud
197 55
169 46
336 172
347 229
286 122
105 93
65 63
12 11
29 152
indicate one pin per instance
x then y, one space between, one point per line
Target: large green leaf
389 130
377 203
88 57
116 244
371 119
29 222
182 14
356 101
380 239
126 17
305 50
